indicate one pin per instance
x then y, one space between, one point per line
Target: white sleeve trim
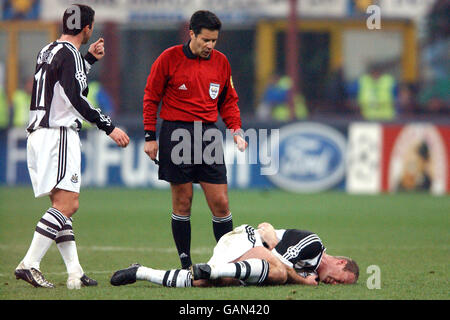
87 65
280 233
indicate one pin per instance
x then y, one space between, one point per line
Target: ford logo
311 157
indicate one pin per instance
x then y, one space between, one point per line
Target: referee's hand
241 143
151 149
120 137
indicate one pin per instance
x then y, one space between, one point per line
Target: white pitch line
10 275
201 250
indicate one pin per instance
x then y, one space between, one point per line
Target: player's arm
295 278
268 235
295 245
89 60
74 82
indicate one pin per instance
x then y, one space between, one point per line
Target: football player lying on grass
246 256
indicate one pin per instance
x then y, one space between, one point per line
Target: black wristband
90 58
107 129
150 135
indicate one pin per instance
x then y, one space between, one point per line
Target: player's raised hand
97 49
120 137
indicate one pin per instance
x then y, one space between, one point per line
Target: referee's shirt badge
214 90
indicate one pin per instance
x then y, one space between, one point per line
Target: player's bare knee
182 206
72 205
277 275
65 202
67 207
220 207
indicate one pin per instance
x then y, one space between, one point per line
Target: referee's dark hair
71 25
204 19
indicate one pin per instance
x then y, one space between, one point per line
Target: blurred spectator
273 95
438 20
375 93
436 56
21 103
99 98
336 92
275 104
4 110
406 103
435 96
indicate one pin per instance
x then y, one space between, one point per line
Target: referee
194 83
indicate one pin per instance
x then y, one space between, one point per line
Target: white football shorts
54 160
234 244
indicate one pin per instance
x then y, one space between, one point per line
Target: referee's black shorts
192 170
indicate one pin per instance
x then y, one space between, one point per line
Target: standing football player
58 107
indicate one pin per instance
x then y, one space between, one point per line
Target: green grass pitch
405 235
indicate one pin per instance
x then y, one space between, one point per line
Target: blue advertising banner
299 157
312 158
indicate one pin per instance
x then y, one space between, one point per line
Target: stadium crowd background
345 69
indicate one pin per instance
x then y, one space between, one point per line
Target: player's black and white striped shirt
299 249
60 90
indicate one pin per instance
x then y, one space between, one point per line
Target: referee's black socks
222 225
181 231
